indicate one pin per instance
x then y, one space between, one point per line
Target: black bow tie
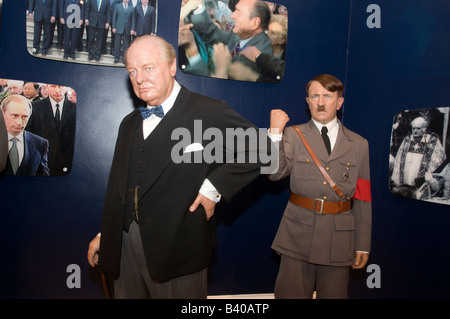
147 112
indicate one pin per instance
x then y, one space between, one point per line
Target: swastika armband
362 191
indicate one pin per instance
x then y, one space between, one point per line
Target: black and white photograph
89 31
419 160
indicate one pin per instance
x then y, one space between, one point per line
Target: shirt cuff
275 137
210 191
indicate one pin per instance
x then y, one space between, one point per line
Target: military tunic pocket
343 241
296 231
305 168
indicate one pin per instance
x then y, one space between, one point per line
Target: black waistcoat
138 166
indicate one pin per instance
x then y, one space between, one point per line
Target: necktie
326 139
57 117
236 50
147 112
14 155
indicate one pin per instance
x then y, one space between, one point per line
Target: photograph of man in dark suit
27 151
97 20
3 143
43 13
252 18
144 19
326 226
54 118
122 27
158 225
71 32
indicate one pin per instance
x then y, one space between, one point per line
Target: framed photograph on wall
88 31
230 40
419 155
40 120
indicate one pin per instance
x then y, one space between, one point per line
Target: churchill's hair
329 82
166 47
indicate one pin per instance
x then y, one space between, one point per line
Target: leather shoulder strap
321 169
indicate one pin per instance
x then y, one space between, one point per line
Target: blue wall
47 223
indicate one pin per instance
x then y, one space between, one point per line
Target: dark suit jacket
324 239
97 18
42 123
43 11
64 5
122 20
35 157
144 24
176 242
3 143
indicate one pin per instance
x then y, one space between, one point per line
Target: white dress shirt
149 124
333 129
60 105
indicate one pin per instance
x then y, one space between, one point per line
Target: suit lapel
160 142
342 143
124 148
49 115
315 140
28 148
66 113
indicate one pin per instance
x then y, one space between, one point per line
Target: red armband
362 191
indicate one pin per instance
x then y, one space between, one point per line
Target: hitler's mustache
320 108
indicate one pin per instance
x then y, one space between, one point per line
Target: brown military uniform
324 239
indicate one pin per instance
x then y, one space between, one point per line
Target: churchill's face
151 74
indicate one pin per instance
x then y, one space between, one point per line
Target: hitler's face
323 104
16 116
151 74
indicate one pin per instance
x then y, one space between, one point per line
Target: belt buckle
321 206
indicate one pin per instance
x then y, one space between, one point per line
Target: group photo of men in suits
40 119
98 32
241 40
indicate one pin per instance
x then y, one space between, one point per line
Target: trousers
135 281
298 279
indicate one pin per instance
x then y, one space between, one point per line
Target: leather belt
320 206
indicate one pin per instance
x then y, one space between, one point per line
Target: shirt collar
167 104
19 137
332 125
53 102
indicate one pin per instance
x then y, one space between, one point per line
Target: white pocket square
193 147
